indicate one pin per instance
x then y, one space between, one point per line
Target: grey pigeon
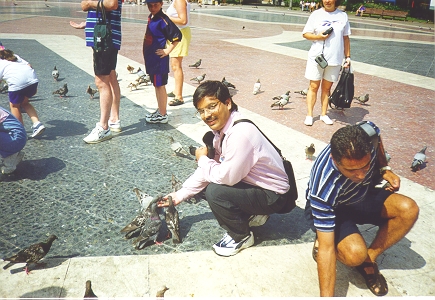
176 184
419 159
199 78
362 99
89 293
161 293
143 79
91 91
228 84
55 73
257 87
173 221
309 151
31 254
151 226
62 91
304 92
197 64
134 227
281 101
177 147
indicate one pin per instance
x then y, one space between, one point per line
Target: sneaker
326 119
115 126
149 115
157 118
171 94
10 163
308 121
98 134
227 246
38 129
258 220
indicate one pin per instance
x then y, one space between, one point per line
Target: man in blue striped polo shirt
341 193
104 68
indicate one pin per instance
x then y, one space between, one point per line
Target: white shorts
314 72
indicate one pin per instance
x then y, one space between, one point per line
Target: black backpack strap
102 15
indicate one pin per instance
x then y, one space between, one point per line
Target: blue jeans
13 136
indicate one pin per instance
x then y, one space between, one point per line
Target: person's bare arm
92 5
326 263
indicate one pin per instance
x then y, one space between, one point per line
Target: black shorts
367 211
105 61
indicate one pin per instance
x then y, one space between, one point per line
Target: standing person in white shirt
179 13
335 47
245 181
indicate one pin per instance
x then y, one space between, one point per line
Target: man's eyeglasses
211 108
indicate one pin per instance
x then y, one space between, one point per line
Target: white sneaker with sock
308 121
98 134
326 120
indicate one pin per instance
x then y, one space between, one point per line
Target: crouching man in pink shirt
245 181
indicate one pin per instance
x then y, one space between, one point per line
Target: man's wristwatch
383 169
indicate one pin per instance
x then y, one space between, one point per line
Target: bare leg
116 94
162 99
103 84
177 67
324 97
312 96
16 111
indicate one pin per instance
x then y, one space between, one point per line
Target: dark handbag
292 194
102 30
344 91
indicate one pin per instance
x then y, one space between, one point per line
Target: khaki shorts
314 72
182 48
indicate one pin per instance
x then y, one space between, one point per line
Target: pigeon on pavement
31 254
281 101
419 159
197 64
304 92
228 84
257 87
140 73
173 221
134 227
150 228
130 69
89 293
55 73
91 91
177 147
62 91
309 151
161 293
199 78
362 99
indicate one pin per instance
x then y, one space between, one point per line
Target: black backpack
102 31
344 91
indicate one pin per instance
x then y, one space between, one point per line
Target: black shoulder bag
344 91
292 194
102 30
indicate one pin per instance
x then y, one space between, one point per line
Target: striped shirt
328 188
114 18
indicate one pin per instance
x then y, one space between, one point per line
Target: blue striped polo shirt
328 188
114 18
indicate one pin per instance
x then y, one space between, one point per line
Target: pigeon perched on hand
362 99
199 78
197 64
55 73
257 87
419 159
91 91
304 92
228 84
31 254
309 151
173 221
151 226
130 69
281 101
177 147
62 91
89 293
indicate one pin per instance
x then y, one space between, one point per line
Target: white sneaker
157 118
115 126
10 163
308 121
227 246
149 115
38 129
326 120
98 134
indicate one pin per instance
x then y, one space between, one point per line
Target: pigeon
419 159
130 69
89 293
62 91
133 85
176 184
281 101
228 84
161 293
140 73
197 64
31 254
151 226
55 73
177 147
143 79
134 227
304 92
4 88
199 78
257 87
309 151
91 91
173 221
144 198
362 99
192 150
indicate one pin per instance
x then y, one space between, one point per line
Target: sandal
375 282
175 102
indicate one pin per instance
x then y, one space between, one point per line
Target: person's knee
352 254
408 209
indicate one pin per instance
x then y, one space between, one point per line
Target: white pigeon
177 147
257 87
55 73
140 73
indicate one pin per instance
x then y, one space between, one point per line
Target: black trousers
233 205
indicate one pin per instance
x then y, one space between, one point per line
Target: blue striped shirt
328 188
114 18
